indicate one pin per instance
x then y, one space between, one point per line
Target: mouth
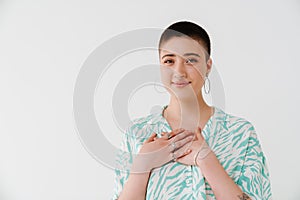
181 84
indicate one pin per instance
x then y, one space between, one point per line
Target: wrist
202 153
141 165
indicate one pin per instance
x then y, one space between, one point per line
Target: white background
255 47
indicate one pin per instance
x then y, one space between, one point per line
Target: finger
151 138
183 151
184 141
179 158
164 135
168 135
173 146
176 132
182 135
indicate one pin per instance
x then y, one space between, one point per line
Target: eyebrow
186 54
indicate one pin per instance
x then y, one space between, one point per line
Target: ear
209 65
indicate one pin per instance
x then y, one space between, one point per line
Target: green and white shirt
233 140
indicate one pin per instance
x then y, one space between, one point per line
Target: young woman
190 150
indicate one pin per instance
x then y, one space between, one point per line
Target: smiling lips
181 84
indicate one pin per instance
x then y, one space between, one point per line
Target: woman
190 150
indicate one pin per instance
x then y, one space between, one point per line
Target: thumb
151 138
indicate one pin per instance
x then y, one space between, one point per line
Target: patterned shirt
234 142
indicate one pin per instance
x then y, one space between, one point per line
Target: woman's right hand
155 152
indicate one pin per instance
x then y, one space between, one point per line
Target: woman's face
183 66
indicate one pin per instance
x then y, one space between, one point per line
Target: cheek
197 73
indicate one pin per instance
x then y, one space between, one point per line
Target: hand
199 144
155 152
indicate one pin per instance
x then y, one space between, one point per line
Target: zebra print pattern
232 139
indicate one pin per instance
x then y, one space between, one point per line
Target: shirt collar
218 116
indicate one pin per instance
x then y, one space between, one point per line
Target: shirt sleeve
123 161
254 179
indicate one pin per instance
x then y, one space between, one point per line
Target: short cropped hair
190 29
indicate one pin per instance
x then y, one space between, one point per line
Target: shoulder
237 143
137 131
236 130
141 122
140 125
237 124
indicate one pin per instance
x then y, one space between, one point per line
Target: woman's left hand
197 143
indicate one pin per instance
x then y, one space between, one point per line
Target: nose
179 70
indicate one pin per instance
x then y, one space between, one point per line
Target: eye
168 61
191 60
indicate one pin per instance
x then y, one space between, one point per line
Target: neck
188 113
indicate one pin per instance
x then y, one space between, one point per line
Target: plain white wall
44 43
